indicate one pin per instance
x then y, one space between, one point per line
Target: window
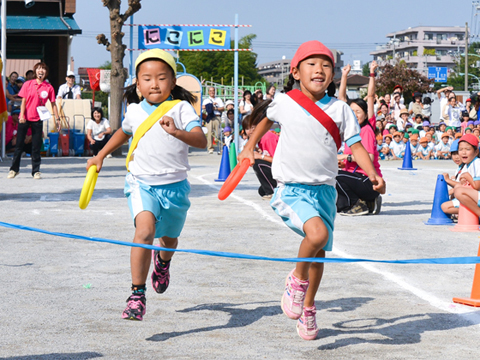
428 36
460 37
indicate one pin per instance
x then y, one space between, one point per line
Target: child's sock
163 263
138 289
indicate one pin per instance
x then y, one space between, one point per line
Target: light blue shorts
168 203
297 203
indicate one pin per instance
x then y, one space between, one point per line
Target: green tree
458 81
411 80
366 69
218 65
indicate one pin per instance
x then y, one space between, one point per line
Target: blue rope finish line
446 261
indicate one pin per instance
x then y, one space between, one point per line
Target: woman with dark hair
271 93
355 191
98 130
35 94
247 104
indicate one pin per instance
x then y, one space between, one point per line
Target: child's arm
117 140
342 91
449 181
194 137
261 129
364 161
371 91
467 177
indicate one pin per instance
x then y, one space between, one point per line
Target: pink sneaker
307 324
294 296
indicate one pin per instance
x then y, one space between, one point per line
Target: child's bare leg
316 238
170 243
315 276
448 208
468 197
140 258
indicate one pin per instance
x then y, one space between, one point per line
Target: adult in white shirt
246 105
213 122
98 130
453 112
69 90
443 95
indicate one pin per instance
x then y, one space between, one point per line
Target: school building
42 32
422 47
275 72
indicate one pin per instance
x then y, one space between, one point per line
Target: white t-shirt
247 107
473 168
159 158
397 148
443 102
424 150
64 89
98 128
306 153
217 102
442 147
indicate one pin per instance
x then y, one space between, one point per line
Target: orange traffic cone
474 299
467 219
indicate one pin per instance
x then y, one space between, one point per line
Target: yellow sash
161 110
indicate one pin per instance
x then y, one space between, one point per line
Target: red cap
470 138
308 49
468 100
398 87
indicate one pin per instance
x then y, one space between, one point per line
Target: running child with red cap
305 166
163 122
469 174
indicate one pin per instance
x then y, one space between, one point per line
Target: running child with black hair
156 184
305 166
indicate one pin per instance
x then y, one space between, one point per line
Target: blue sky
353 27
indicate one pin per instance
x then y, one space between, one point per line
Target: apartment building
275 72
423 46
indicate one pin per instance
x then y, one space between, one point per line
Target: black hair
252 98
427 100
97 109
362 104
246 123
292 83
178 92
231 111
257 115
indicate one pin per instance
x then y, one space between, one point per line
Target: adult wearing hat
403 119
416 106
69 90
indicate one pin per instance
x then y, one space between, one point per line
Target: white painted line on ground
463 311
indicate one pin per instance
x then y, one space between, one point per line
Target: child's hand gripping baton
88 187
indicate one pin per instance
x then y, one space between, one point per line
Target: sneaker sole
378 205
357 214
304 336
131 317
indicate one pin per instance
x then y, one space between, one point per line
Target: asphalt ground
63 298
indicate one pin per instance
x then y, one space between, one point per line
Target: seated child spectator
397 146
228 121
426 128
451 134
406 136
431 141
468 131
391 128
476 132
442 149
424 151
227 136
379 139
441 130
404 119
414 145
386 151
469 174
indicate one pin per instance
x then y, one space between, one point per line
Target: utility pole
466 56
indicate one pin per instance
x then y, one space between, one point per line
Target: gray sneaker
360 208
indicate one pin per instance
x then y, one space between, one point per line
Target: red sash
322 117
